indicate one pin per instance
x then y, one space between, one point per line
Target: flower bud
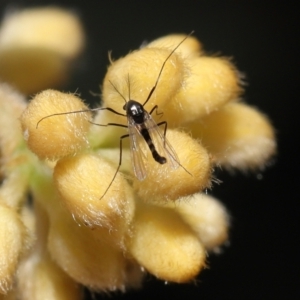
134 76
50 27
191 176
83 182
238 136
86 256
12 104
39 277
213 82
51 136
165 245
206 216
37 46
12 241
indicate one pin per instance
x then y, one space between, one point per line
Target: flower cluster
66 217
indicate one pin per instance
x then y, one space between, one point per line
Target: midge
141 128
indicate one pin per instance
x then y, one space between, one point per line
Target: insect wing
161 142
138 156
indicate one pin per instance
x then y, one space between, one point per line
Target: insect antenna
66 113
128 86
162 67
80 111
116 89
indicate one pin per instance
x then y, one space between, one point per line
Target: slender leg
110 124
120 163
161 123
155 109
120 158
165 130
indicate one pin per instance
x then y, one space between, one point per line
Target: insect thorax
135 110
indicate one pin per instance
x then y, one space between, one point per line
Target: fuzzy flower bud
83 182
207 217
238 136
12 244
213 82
37 46
41 278
87 256
165 245
191 176
136 69
52 137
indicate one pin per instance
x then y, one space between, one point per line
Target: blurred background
261 260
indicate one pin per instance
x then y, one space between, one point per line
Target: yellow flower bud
165 245
213 82
37 46
135 75
57 136
12 104
40 278
13 162
50 28
86 256
83 182
12 244
13 188
207 217
192 176
238 136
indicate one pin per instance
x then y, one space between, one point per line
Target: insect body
141 126
138 118
141 129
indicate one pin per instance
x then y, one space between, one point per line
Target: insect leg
155 108
165 130
120 161
109 124
167 146
165 140
161 123
120 158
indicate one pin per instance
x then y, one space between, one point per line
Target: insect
141 129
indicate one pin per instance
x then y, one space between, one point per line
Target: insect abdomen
160 159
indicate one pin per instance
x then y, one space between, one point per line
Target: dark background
262 259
